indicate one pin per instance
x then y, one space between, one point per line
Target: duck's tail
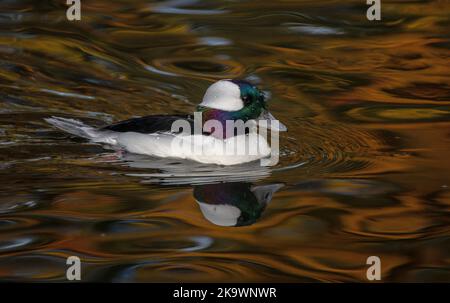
74 127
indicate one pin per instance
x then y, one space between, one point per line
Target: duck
193 136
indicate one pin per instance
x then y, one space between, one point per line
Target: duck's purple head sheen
235 100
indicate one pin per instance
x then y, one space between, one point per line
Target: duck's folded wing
149 124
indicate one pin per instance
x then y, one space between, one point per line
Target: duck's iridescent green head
235 100
253 99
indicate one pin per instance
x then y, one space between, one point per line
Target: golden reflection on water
364 168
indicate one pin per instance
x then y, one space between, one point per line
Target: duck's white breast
205 149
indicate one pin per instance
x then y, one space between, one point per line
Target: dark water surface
364 167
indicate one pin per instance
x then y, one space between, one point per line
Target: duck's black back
149 124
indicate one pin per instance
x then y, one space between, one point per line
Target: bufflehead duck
225 100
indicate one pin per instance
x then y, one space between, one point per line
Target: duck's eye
246 99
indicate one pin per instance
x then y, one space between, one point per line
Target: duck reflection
233 204
227 196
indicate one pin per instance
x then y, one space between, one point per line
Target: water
364 168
